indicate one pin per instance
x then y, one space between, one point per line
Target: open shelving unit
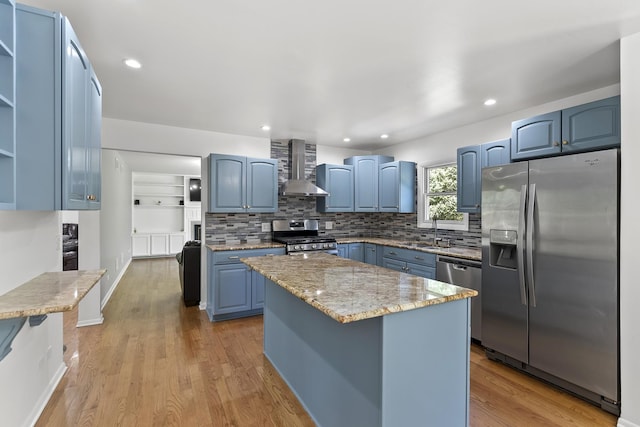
7 106
160 219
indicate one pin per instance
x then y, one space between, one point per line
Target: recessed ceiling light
489 102
384 136
265 127
347 139
132 63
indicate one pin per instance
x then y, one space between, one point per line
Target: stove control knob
325 246
296 247
314 246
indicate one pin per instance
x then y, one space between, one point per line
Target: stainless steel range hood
297 185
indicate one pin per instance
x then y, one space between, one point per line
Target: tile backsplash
241 227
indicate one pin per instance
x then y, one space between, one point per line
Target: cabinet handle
248 207
565 142
555 143
419 257
392 253
234 257
91 197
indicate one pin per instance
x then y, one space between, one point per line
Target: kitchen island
362 345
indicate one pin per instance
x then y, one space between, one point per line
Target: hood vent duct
298 185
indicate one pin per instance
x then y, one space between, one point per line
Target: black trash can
189 270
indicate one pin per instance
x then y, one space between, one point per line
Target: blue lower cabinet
418 263
356 251
343 250
234 290
257 290
371 254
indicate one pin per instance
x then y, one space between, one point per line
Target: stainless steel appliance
550 271
468 274
302 236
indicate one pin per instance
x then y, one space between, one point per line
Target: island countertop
48 293
348 291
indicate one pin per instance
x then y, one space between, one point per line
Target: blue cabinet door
495 153
591 126
536 136
75 75
421 270
366 181
94 144
389 187
262 188
232 288
356 251
227 178
397 187
394 264
469 189
343 250
371 253
257 290
337 180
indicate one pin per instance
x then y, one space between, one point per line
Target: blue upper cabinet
7 106
241 184
471 160
591 126
585 127
469 189
536 136
337 180
397 187
59 118
366 181
495 153
262 185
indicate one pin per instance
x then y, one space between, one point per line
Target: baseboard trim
626 423
46 395
107 297
203 305
90 322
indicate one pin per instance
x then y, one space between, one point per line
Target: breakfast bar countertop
48 293
348 291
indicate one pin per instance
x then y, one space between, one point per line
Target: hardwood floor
156 363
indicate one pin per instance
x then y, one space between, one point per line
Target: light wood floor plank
155 362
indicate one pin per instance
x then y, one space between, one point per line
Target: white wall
30 244
115 221
441 148
336 155
152 138
629 231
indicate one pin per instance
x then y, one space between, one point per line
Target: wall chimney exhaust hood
297 185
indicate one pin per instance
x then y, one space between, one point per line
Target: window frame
423 170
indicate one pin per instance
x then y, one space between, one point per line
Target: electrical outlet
328 225
266 226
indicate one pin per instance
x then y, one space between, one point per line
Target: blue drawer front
408 255
226 257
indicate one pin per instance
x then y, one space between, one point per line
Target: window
438 200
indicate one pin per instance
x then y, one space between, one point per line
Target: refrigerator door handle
530 236
520 247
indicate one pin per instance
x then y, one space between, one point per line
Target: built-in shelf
157 195
158 206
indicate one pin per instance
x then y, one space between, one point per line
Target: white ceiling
325 70
161 163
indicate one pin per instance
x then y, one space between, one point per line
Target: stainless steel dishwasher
468 274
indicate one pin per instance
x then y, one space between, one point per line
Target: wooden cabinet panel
536 136
591 126
469 189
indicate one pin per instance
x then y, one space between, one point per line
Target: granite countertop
348 291
238 246
48 293
454 251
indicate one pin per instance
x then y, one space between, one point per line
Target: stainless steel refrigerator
550 271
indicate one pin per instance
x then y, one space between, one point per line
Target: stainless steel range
301 236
